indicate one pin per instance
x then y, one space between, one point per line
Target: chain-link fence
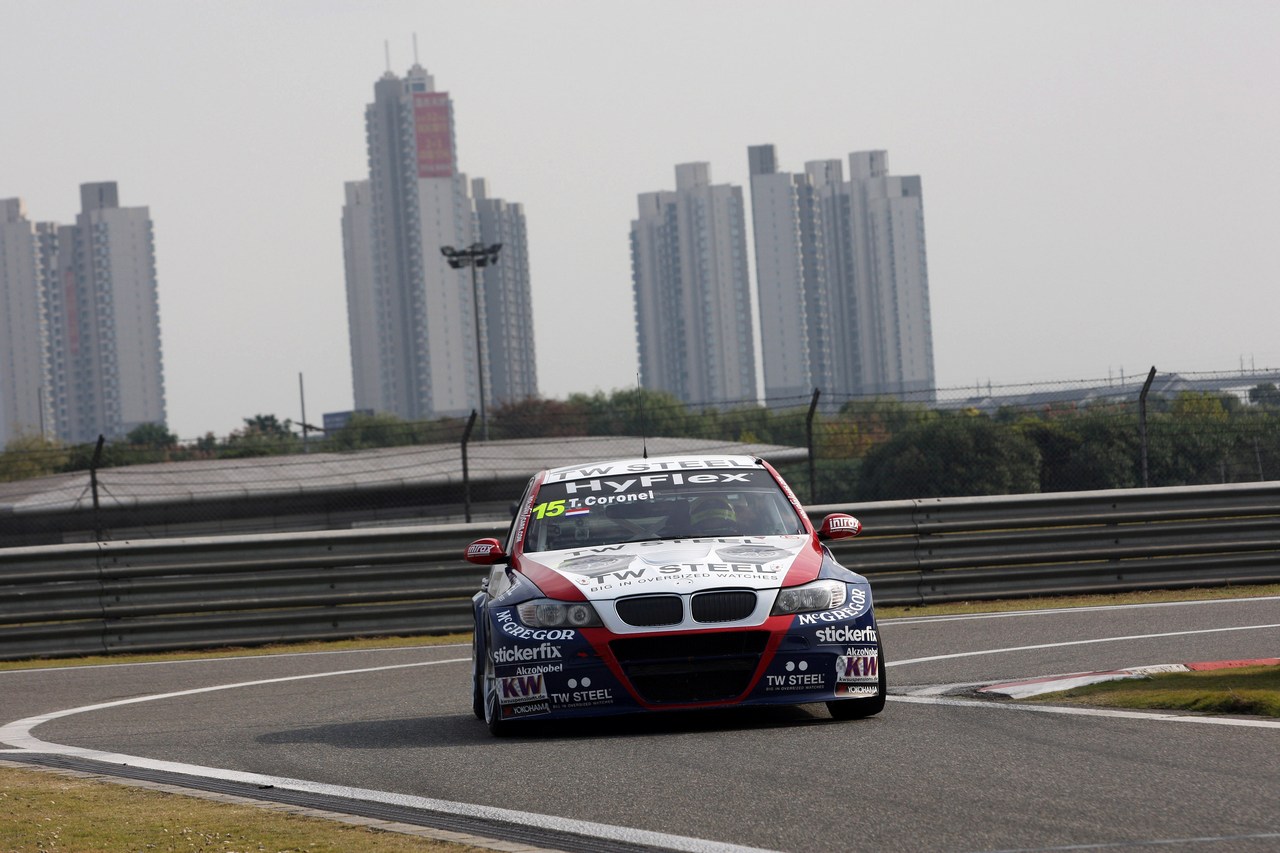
1187 429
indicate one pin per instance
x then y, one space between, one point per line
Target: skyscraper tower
842 278
108 371
692 291
24 355
412 321
80 351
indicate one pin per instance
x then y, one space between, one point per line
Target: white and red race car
669 583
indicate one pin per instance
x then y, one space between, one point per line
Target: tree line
863 449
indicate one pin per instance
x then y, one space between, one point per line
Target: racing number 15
549 509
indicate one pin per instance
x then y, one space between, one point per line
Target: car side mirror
485 552
839 525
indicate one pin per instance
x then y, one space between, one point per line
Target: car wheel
856 709
498 727
477 676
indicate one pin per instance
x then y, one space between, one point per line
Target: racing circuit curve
391 732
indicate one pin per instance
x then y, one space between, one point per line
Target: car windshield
633 508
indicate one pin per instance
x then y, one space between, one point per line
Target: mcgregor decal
858 604
513 628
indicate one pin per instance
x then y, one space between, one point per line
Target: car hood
680 566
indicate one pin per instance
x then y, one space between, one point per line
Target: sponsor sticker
513 628
582 693
858 604
519 689
841 635
862 667
798 675
857 690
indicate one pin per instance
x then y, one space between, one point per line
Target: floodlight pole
473 256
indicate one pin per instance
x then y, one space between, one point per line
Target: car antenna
644 438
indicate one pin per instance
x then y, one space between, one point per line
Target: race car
669 583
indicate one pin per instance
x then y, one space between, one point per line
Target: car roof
655 463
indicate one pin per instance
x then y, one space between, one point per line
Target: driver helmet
712 512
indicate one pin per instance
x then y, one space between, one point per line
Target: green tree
951 456
262 435
28 456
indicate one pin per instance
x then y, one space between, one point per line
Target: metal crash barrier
166 594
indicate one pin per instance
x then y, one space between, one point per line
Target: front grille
686 668
724 606
646 611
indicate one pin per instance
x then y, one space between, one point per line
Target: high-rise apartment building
842 278
692 291
24 351
82 355
411 316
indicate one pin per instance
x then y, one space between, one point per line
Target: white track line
1087 712
1079 643
1054 611
18 734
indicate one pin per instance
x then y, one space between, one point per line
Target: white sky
1101 179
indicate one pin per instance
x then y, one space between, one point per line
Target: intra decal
860 668
517 689
513 628
582 694
843 635
859 603
798 676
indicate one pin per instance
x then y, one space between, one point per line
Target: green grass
1247 690
56 813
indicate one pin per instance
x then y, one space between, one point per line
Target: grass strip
55 813
1155 596
1247 690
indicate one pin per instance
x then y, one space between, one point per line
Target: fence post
808 426
466 472
1142 423
93 484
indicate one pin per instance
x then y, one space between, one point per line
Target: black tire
857 709
498 727
477 676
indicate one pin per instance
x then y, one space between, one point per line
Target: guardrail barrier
165 594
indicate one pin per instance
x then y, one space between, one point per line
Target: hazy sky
1101 179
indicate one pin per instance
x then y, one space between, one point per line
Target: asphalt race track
938 770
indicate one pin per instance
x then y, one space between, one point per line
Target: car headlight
545 613
819 595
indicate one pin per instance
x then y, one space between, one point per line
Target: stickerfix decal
513 628
524 654
858 604
521 688
860 668
582 694
798 676
843 635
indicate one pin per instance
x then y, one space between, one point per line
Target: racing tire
498 727
477 676
856 709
